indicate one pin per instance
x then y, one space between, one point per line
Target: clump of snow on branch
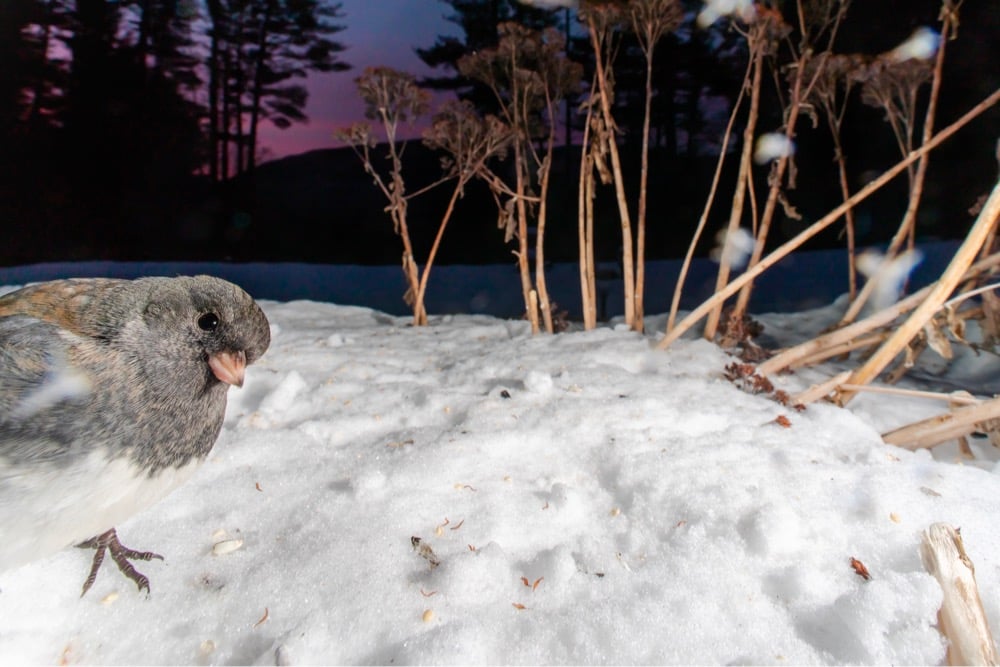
890 274
921 45
772 146
732 249
716 9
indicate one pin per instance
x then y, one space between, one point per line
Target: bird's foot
120 555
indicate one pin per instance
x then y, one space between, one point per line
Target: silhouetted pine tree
260 53
479 21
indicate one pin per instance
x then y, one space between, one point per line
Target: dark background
115 165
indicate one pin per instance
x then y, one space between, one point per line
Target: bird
112 392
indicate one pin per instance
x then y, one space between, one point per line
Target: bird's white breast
53 506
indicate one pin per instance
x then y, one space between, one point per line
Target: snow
587 499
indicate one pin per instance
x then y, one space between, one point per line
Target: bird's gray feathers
116 369
127 366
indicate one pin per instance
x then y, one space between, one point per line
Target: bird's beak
229 367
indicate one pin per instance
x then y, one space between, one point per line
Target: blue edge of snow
799 282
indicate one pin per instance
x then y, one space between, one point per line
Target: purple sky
378 32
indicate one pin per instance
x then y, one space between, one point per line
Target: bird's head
197 324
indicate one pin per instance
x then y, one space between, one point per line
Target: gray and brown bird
112 392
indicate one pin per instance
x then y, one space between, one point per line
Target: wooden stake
961 619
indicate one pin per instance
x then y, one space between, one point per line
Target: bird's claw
120 555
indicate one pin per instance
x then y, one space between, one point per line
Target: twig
821 390
955 398
792 244
951 277
941 428
812 351
703 220
757 42
949 21
839 348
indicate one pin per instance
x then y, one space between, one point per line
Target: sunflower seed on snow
226 546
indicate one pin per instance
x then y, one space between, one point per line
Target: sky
378 32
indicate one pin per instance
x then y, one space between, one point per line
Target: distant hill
321 207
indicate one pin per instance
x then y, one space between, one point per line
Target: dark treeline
124 123
129 129
697 78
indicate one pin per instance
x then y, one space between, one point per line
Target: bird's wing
34 377
59 302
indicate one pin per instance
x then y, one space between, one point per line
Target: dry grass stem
894 86
651 19
792 244
759 43
839 348
703 220
820 390
953 398
952 276
942 428
815 350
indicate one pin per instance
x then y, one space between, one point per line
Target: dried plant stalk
815 350
841 347
391 97
651 19
961 618
703 220
821 390
789 246
911 76
759 42
942 428
528 74
585 225
800 90
952 398
831 94
601 18
470 142
951 277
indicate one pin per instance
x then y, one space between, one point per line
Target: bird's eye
208 322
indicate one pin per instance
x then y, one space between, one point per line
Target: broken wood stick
941 428
961 619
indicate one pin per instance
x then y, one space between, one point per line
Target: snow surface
588 499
